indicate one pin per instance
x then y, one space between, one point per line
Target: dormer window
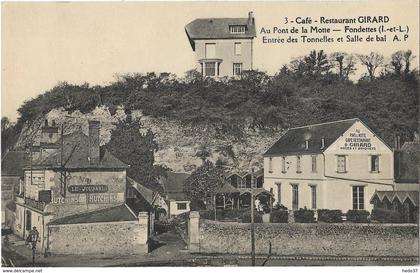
237 29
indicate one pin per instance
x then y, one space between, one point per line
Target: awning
227 188
256 191
402 196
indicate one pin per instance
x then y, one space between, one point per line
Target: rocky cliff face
179 145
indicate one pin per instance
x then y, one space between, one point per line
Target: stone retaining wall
345 239
112 238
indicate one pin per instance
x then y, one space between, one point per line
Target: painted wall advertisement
358 140
88 194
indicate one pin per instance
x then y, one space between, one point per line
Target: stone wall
307 239
109 238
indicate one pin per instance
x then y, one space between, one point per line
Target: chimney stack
49 135
322 143
94 155
251 18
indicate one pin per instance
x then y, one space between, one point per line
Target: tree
9 134
203 182
137 150
345 64
371 62
397 61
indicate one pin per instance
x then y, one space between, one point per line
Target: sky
48 42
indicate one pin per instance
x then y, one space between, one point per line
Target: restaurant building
332 165
70 175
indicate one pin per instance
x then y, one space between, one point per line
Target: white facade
230 56
344 176
178 207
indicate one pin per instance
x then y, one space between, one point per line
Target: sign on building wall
88 188
358 140
88 198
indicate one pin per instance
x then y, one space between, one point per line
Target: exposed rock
178 144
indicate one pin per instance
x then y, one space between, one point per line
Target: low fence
312 239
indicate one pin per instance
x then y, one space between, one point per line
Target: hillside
233 120
178 143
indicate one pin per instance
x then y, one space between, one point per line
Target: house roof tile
293 141
113 214
12 163
218 28
76 155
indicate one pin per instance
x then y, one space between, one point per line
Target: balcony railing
35 204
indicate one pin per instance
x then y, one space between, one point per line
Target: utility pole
252 220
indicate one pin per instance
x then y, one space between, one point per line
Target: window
295 197
278 193
270 165
283 164
358 197
237 29
374 163
210 51
210 69
313 196
341 163
237 69
237 49
181 206
298 169
313 157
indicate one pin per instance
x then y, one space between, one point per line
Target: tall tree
344 63
372 62
137 150
203 182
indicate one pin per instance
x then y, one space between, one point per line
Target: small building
237 189
332 165
70 175
404 198
174 194
12 165
222 46
404 202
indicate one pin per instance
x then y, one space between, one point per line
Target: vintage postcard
280 133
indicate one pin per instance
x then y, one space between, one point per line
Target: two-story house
70 175
333 165
222 46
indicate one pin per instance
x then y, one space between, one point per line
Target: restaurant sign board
88 188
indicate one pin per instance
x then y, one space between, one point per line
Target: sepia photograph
210 134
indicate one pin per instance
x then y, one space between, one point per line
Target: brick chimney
49 134
94 155
251 18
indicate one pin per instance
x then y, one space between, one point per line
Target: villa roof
293 141
218 28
